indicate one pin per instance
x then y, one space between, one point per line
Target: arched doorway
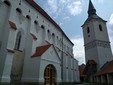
50 75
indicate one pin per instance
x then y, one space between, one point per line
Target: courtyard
87 84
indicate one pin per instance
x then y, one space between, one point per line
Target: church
33 48
98 54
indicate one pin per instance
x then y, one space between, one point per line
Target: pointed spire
91 10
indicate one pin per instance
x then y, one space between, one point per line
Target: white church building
33 48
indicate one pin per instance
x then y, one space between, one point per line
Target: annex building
98 54
33 48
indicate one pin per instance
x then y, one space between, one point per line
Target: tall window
49 34
88 30
100 27
18 41
57 40
53 38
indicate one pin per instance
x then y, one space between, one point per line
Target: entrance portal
50 75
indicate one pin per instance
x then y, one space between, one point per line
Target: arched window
7 3
88 30
100 27
18 41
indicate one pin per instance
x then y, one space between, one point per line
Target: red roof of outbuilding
40 50
107 68
38 8
91 62
81 70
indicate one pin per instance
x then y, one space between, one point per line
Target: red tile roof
13 25
40 50
38 8
34 37
106 69
91 62
81 69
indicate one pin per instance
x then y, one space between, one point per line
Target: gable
51 55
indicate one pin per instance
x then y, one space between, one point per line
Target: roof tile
40 50
108 68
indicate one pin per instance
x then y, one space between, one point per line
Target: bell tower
96 40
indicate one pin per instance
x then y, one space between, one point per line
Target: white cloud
58 9
75 8
110 30
51 6
64 19
111 19
78 49
100 1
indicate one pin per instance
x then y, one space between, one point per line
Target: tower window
88 30
100 27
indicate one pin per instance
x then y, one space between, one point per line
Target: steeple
91 9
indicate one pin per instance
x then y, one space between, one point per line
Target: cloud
67 18
58 9
75 8
110 30
78 49
51 6
100 1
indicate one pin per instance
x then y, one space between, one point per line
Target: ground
86 84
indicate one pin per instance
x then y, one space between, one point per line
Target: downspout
62 60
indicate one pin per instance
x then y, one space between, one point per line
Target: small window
18 10
42 26
27 16
100 27
88 30
35 22
7 3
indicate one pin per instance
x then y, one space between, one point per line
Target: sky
70 16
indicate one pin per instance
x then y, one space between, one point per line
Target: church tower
96 40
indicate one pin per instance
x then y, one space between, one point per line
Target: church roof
106 68
91 9
91 62
92 14
40 50
39 9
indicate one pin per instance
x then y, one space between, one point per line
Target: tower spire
91 9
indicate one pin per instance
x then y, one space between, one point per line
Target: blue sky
71 14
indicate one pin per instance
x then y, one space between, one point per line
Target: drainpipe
62 60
